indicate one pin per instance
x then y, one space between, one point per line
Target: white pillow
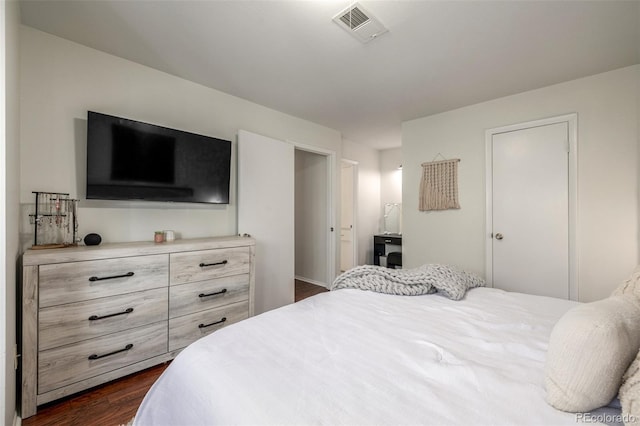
590 349
630 394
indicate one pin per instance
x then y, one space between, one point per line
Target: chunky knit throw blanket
447 280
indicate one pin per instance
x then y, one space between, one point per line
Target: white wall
607 176
311 217
9 200
368 198
61 80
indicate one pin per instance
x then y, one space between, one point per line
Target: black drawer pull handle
223 291
128 274
97 317
96 356
203 265
213 323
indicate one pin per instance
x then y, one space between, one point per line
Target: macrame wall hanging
439 185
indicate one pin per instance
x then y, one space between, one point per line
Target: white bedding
355 357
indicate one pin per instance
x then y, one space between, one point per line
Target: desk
381 243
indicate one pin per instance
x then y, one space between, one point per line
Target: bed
353 357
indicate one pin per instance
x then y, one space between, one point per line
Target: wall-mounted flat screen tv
131 160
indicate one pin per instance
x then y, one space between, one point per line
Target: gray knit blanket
447 280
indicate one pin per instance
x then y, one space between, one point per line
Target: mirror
393 218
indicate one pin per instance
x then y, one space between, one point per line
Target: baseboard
17 420
310 281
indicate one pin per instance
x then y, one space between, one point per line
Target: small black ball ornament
92 239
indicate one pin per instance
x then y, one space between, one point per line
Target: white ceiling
290 56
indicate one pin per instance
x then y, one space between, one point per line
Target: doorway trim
354 208
572 124
331 214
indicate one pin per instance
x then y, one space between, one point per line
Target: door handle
499 236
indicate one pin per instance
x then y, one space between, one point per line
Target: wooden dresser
93 314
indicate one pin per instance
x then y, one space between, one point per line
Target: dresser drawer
78 281
207 264
74 322
69 364
387 239
198 296
189 328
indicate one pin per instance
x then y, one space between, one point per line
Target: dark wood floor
112 404
305 289
115 403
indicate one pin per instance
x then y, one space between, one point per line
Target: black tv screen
131 160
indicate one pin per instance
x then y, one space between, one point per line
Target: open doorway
314 217
267 211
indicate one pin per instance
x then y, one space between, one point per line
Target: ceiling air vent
359 23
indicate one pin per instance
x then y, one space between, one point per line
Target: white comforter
354 357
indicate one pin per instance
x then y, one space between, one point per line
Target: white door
530 209
347 260
266 212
